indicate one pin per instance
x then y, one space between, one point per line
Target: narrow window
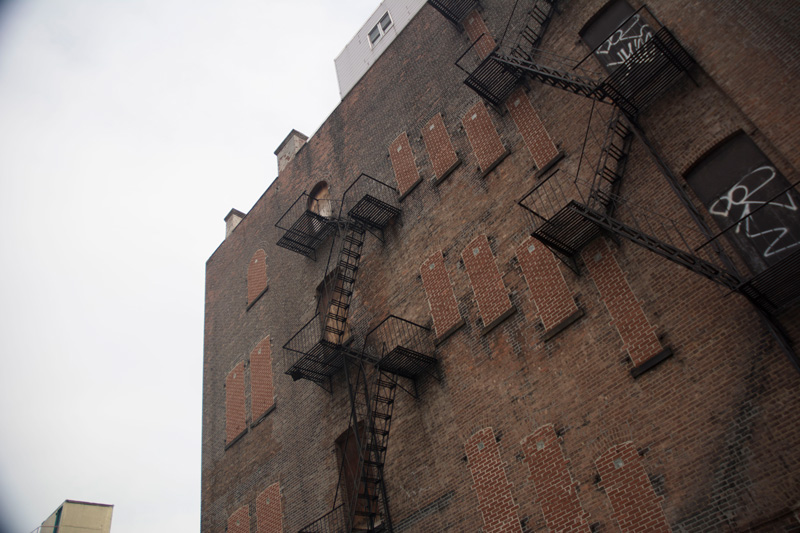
745 192
379 30
319 201
615 33
256 276
347 452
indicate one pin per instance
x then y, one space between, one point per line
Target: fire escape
373 366
493 78
567 212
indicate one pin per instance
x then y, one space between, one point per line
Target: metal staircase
396 348
372 401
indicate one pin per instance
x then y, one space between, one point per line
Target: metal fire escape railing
653 60
492 79
306 224
454 10
607 141
395 348
567 213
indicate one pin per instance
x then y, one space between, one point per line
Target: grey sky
128 129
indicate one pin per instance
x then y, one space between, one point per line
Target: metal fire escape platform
494 80
306 224
401 347
454 10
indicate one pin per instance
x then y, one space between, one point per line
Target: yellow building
79 517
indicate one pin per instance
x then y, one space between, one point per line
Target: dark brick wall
714 428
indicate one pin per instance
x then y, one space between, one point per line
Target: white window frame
381 30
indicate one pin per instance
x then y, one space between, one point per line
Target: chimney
289 147
232 220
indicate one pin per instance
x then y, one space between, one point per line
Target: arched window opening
319 200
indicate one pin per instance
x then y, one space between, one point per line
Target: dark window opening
745 192
615 33
347 453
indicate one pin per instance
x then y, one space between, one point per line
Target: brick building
539 270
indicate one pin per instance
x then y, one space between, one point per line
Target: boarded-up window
743 190
615 33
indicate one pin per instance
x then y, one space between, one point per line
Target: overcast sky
128 130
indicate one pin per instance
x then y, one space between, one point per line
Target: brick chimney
289 147
232 220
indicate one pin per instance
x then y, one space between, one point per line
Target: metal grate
777 287
371 202
401 347
315 358
454 10
304 229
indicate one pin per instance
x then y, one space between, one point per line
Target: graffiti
770 225
624 42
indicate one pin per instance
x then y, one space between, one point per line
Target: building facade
539 270
75 516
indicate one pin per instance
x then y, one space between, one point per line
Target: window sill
561 326
446 335
497 162
264 416
436 181
651 363
236 439
497 321
257 298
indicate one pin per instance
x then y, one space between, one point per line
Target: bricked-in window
625 482
404 165
239 521
443 157
235 410
490 483
638 336
494 304
736 179
441 297
347 455
555 489
615 33
269 512
261 388
256 276
483 137
531 128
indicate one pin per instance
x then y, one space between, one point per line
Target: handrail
751 213
320 526
481 36
398 318
277 224
352 184
286 345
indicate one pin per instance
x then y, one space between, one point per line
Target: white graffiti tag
741 197
624 42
